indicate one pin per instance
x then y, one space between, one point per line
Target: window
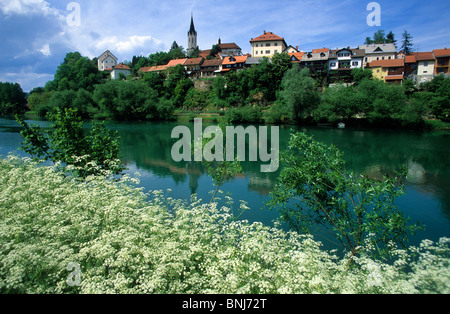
355 63
267 44
256 45
425 72
332 64
425 64
275 51
275 44
256 51
382 58
268 52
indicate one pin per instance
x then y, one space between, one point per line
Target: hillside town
328 65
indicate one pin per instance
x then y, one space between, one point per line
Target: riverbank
122 243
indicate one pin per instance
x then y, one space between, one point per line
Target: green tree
67 142
315 189
407 44
298 92
12 98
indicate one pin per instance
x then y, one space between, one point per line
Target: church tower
192 36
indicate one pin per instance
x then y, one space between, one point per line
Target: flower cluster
127 241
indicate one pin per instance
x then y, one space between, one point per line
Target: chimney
264 32
296 47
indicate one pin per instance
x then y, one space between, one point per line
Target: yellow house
267 44
391 70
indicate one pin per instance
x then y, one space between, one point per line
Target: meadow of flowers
128 241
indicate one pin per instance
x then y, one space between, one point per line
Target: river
146 149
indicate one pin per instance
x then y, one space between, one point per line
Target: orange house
442 57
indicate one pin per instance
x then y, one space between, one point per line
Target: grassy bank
125 243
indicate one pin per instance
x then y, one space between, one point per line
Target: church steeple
192 36
192 29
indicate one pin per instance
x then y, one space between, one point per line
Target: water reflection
146 147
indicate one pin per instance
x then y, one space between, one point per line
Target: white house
379 52
120 69
106 61
267 44
346 59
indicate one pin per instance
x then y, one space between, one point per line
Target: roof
315 56
212 63
441 52
105 55
423 56
320 50
298 56
175 62
234 60
393 77
378 48
194 61
410 59
155 68
253 60
229 46
121 66
192 28
268 36
387 63
356 52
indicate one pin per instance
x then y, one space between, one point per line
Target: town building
106 61
425 66
291 49
317 63
267 44
390 70
296 57
442 57
192 37
342 61
192 66
119 71
210 68
378 52
233 63
252 61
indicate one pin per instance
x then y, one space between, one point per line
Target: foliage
314 188
196 99
126 244
75 72
244 114
407 44
379 37
12 98
66 142
299 93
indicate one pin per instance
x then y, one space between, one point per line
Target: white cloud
127 44
45 50
26 7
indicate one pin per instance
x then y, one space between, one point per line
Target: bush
245 114
124 243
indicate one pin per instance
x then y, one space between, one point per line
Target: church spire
192 29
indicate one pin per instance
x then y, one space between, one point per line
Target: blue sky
35 35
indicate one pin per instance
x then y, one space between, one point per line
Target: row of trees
12 98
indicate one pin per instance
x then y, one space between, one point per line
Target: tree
407 44
66 142
12 98
298 92
314 188
390 39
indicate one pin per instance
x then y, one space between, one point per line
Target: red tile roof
154 68
393 77
387 63
320 50
441 52
410 59
297 55
423 56
237 59
175 62
267 36
194 61
121 66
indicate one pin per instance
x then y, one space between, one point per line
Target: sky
35 35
